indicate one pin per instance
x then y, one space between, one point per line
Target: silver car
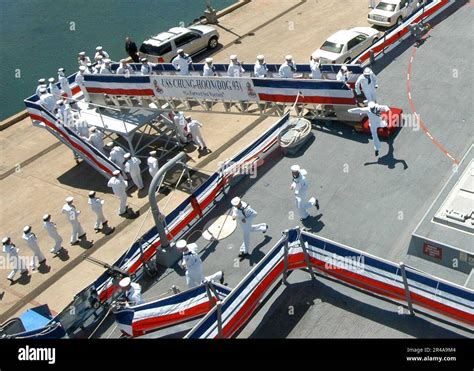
163 47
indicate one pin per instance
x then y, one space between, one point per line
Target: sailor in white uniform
96 139
53 89
80 82
182 62
260 69
52 231
373 111
235 68
119 187
194 128
147 67
100 52
152 163
64 83
124 68
14 258
245 215
96 206
83 59
32 242
209 69
288 68
41 84
72 215
315 66
117 156
132 291
181 125
343 74
132 167
106 68
47 100
367 83
300 188
192 263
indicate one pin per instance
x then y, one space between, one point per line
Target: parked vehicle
163 47
390 12
344 45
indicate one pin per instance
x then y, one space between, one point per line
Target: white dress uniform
119 187
209 71
54 90
367 84
47 101
342 76
260 69
315 71
375 120
124 69
235 70
83 61
72 214
103 53
287 69
117 157
97 140
38 88
64 83
300 187
96 206
65 116
132 166
194 128
182 64
245 216
152 163
180 124
82 127
147 69
105 69
32 243
52 231
80 82
194 269
134 294
14 260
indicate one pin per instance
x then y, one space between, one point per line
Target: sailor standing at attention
260 69
119 187
132 166
209 69
96 206
235 68
245 216
288 68
64 83
182 62
152 163
147 67
300 187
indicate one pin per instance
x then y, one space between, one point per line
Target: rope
298 134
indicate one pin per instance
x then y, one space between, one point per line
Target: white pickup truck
390 12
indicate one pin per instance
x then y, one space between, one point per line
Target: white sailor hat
371 104
60 102
26 229
179 51
51 79
209 60
43 90
125 282
99 56
5 240
235 201
46 217
82 68
289 57
181 244
61 69
109 144
69 199
233 57
91 194
116 172
99 48
81 54
344 67
295 168
143 60
127 155
188 117
367 71
260 57
152 153
107 61
41 81
93 129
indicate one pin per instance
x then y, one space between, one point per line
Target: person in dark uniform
131 49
